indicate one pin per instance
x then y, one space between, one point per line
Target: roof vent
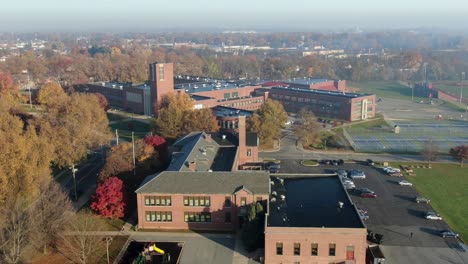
103 84
283 197
340 204
210 170
113 86
274 193
273 200
223 137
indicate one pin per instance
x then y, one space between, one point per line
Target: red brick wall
160 87
177 208
342 237
219 94
249 103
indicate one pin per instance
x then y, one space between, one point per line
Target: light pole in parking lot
461 87
74 170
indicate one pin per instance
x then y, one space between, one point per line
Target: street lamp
108 239
74 170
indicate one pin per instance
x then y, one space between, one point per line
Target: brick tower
161 82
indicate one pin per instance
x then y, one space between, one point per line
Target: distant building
313 220
326 98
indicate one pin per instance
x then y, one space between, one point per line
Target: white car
432 216
405 183
391 170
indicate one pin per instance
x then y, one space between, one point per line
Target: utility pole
461 87
30 97
133 144
74 179
117 136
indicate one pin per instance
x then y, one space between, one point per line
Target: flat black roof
311 202
323 92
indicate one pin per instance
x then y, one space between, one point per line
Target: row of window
314 249
242 103
194 200
189 217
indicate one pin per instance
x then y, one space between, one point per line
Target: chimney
242 132
192 166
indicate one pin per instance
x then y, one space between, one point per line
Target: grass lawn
125 129
384 89
447 187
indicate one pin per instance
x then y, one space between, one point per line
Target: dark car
340 162
370 162
325 162
334 162
449 233
374 237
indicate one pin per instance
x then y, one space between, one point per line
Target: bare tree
430 150
308 128
14 232
82 242
49 214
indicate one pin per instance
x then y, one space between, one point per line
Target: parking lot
393 213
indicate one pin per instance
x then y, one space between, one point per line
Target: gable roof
178 182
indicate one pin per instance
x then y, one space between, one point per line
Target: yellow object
158 249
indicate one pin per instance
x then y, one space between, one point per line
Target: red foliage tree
102 101
159 144
460 153
109 198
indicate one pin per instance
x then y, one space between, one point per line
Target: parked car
365 190
396 174
432 216
421 200
341 173
340 162
334 162
349 185
368 195
357 174
370 162
390 170
449 233
374 237
405 183
325 162
363 216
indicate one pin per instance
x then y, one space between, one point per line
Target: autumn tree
108 201
460 153
159 144
307 128
76 242
14 231
201 120
51 93
268 121
103 102
74 124
173 113
49 214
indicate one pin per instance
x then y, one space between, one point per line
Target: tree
50 93
307 129
102 101
430 150
268 121
14 232
201 120
74 124
49 214
77 243
460 153
173 115
252 230
159 144
109 198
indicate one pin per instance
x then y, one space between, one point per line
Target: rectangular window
243 201
158 201
196 201
314 249
279 248
350 252
161 72
203 217
332 249
227 217
297 249
227 95
235 94
249 153
227 201
158 216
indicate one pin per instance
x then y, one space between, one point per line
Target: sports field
413 136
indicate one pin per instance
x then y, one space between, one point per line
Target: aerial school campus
388 190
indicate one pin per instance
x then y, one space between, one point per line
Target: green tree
252 229
268 121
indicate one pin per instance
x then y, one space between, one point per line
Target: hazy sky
86 15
